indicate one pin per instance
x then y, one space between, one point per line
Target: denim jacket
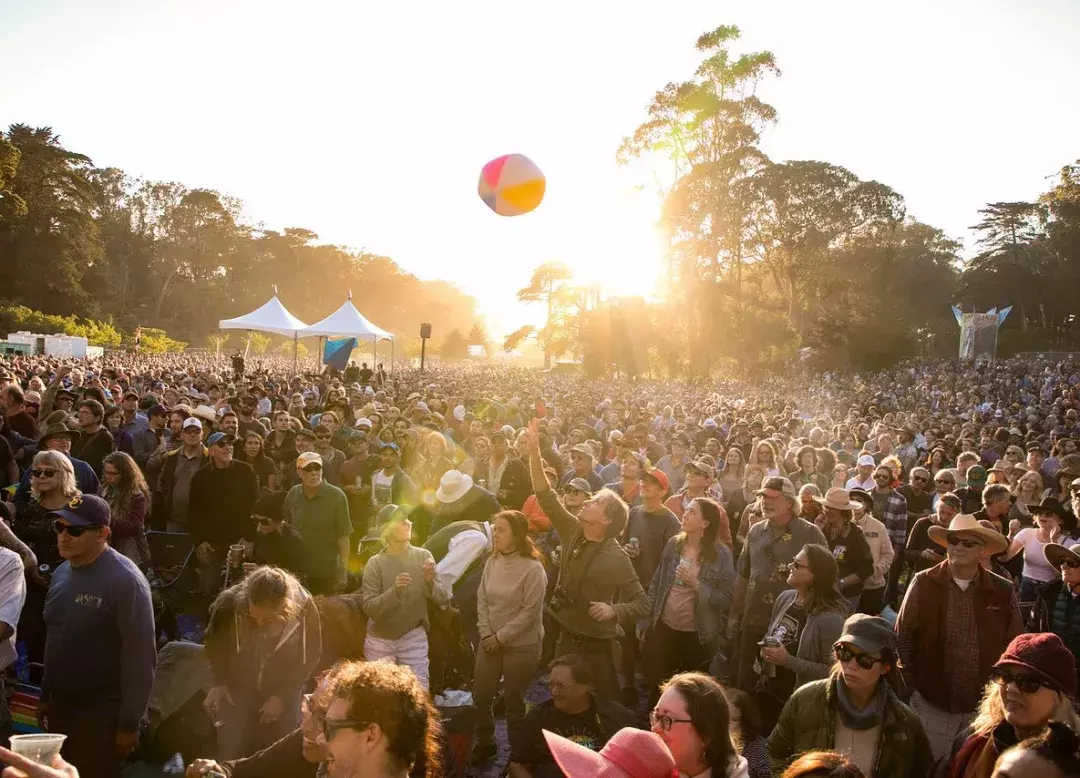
716 585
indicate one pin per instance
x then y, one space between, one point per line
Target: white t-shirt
1035 565
12 598
382 489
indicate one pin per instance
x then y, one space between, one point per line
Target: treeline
96 243
769 259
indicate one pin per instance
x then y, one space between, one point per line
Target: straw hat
965 522
630 753
453 486
838 497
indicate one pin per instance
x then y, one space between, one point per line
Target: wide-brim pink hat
630 753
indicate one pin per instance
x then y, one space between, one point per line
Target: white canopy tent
347 322
271 317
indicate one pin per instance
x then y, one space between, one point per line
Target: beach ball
511 185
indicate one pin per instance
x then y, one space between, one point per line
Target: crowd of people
807 575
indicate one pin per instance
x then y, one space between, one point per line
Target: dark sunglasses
332 726
313 468
45 472
943 481
865 661
1025 683
918 478
76 532
1073 563
952 540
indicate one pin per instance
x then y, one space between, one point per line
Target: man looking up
597 585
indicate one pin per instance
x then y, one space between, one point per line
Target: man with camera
597 584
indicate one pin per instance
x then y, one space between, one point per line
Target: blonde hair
754 460
749 483
436 437
992 711
63 465
1038 484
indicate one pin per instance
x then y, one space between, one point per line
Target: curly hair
391 697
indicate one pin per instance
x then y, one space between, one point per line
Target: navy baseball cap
84 510
216 438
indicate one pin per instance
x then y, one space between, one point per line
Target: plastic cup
40 748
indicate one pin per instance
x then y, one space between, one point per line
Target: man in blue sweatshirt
99 651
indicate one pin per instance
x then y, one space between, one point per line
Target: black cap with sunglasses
84 510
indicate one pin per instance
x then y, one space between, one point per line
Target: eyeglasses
331 727
795 564
1025 683
665 722
264 522
76 532
45 472
952 540
865 661
1072 563
557 688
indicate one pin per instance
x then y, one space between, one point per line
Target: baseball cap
871 634
84 510
582 448
778 484
976 473
190 422
580 484
392 446
157 410
866 461
700 467
308 458
219 437
658 475
364 422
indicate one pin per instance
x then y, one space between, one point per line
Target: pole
295 347
392 344
423 350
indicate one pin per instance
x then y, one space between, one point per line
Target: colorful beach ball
511 185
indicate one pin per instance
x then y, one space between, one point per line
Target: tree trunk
1023 317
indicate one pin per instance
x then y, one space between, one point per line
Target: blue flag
336 353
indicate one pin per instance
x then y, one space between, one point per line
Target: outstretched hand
532 436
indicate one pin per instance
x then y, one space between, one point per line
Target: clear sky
368 122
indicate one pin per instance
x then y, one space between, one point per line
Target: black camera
560 598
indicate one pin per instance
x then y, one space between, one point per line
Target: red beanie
1044 655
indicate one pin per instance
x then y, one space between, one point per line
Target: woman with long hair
806 620
52 486
121 438
806 469
431 465
1027 493
265 469
125 489
263 641
398 582
855 710
510 610
690 594
693 719
826 467
840 476
1032 684
733 473
1038 574
937 460
764 454
699 483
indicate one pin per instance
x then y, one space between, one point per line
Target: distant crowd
826 575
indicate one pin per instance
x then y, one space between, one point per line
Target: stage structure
979 331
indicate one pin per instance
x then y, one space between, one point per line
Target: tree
544 285
216 341
455 346
257 342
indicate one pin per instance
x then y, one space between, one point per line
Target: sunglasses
76 532
665 722
322 437
1025 683
313 469
794 564
918 478
264 522
45 472
1071 563
332 726
865 661
952 540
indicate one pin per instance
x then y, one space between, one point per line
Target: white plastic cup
40 748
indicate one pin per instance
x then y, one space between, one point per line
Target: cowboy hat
1056 553
452 486
206 413
630 753
1049 505
839 498
965 522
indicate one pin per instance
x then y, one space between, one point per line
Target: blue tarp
336 353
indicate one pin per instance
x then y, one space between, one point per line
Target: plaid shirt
893 514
